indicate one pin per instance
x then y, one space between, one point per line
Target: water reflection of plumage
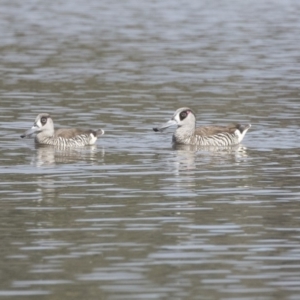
187 154
51 155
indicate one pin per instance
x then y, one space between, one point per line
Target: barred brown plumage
72 137
215 135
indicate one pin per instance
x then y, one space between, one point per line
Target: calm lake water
132 217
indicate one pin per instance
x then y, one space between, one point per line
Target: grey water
132 217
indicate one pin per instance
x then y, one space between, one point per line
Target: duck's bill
165 126
30 131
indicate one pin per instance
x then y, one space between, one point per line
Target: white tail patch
93 139
240 134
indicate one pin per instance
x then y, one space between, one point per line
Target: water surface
132 217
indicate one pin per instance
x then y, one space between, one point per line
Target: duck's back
71 133
76 137
219 135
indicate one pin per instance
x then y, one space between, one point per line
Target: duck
188 134
66 137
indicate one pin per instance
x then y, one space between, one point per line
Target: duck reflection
51 155
192 163
187 154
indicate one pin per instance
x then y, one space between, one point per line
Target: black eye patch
44 120
183 115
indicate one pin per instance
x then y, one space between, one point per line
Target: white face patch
184 118
39 124
177 118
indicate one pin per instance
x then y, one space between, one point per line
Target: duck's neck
183 134
44 139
